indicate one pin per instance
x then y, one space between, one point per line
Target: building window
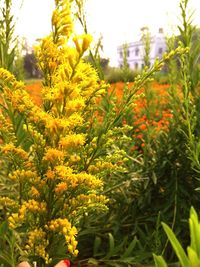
137 51
160 50
120 54
128 53
136 65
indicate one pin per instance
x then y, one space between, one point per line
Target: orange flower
143 127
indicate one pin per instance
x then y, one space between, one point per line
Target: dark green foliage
114 75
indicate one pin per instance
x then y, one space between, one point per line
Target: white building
135 51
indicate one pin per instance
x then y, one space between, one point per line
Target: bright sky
119 21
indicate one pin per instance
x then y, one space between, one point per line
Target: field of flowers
98 174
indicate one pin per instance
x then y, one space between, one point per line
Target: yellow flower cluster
56 125
43 155
7 202
32 206
35 135
73 180
34 192
64 227
20 100
63 172
61 188
22 175
6 77
6 130
13 220
37 244
54 155
74 105
83 202
48 56
86 78
100 166
72 141
82 43
10 148
73 159
62 21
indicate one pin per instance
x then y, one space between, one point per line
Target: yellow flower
35 192
60 188
53 155
7 148
62 19
74 158
50 175
55 17
71 141
63 172
75 105
37 244
54 125
87 39
75 120
82 42
13 220
77 44
88 180
7 202
22 175
32 206
17 151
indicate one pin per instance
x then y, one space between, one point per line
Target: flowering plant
44 153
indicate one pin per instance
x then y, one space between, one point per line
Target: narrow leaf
130 248
97 244
194 231
193 258
159 261
111 246
176 246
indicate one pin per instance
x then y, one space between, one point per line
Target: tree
146 39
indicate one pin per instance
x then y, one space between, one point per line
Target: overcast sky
118 21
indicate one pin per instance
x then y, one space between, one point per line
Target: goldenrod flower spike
54 191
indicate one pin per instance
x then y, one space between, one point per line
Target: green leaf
194 231
5 258
111 246
159 261
130 248
176 246
97 244
3 228
154 178
193 258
